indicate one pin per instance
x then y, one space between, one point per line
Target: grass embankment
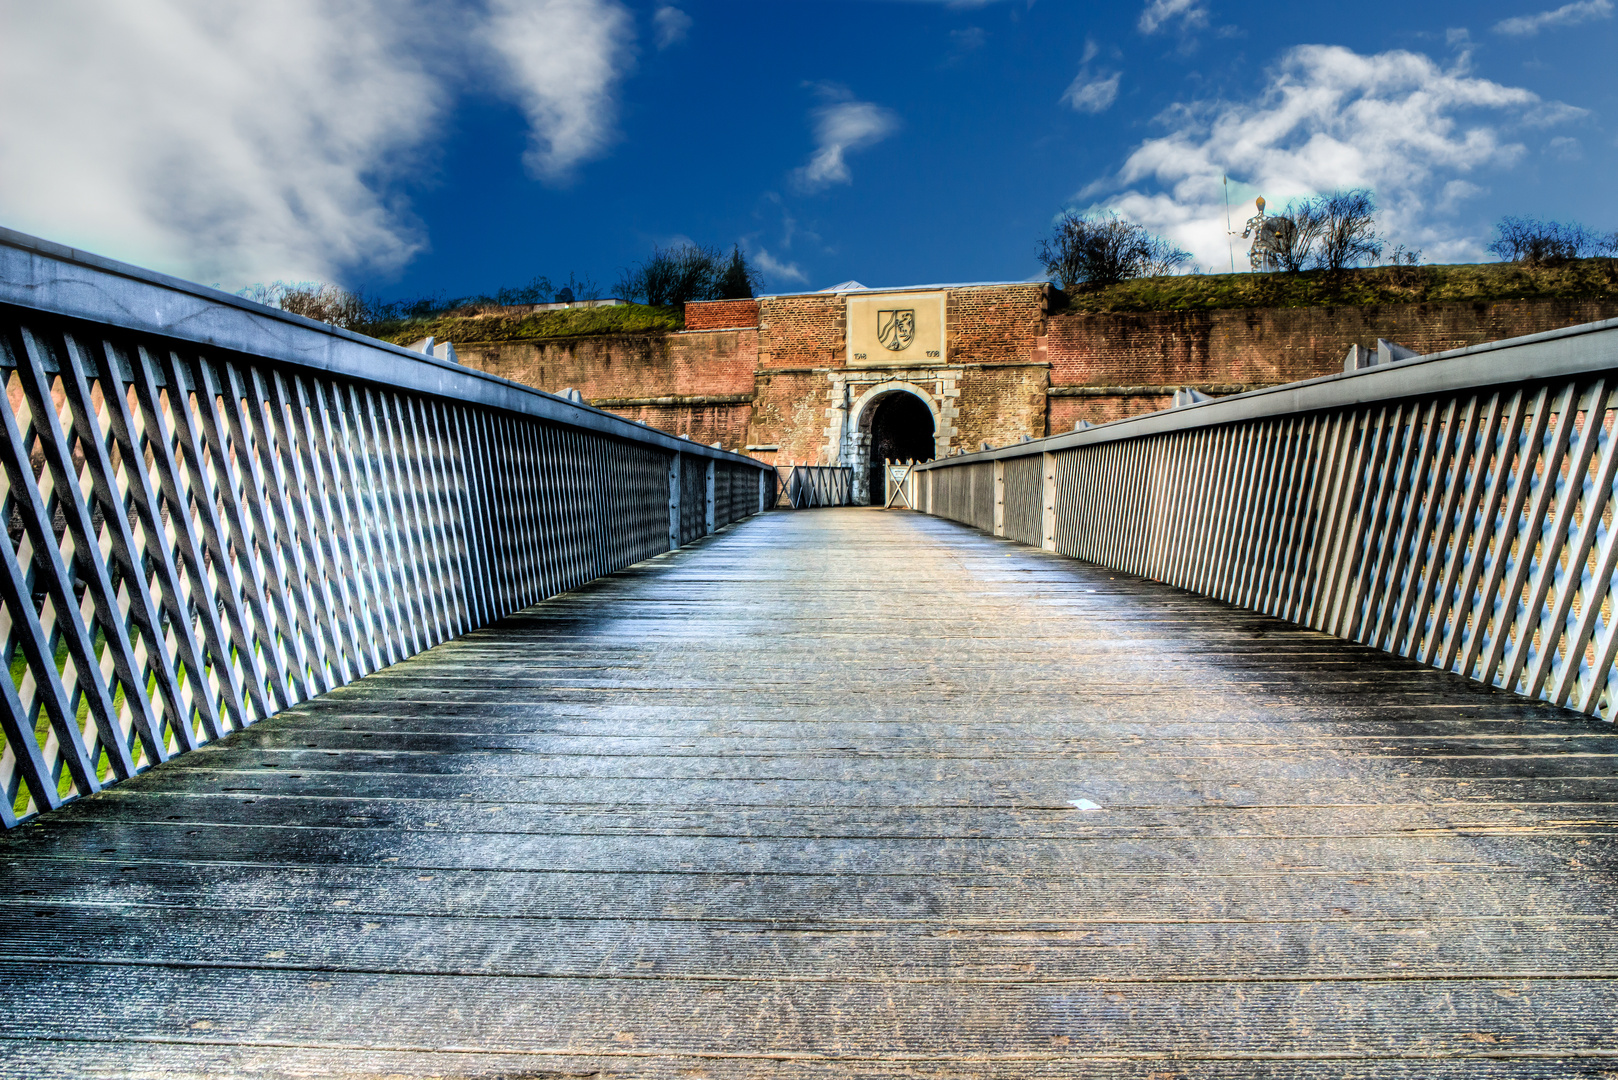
472 325
1585 279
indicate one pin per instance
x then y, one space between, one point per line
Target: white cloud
563 59
1092 93
1329 119
1565 148
672 25
969 39
221 142
1191 13
840 127
1452 194
1566 15
775 268
234 143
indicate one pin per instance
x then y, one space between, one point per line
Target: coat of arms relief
896 329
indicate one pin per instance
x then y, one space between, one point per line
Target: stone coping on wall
674 399
822 369
1120 391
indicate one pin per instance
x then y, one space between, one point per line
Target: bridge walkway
813 798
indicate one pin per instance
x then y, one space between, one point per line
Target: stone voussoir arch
862 411
861 414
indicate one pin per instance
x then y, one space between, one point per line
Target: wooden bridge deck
803 801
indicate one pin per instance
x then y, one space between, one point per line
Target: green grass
1585 279
569 322
42 726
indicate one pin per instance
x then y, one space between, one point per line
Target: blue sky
422 146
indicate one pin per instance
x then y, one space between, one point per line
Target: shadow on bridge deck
804 800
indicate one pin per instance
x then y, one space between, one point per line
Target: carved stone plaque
895 329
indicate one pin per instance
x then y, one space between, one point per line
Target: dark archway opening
901 430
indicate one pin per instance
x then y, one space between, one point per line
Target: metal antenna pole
1230 230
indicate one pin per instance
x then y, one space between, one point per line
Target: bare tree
1332 231
1101 248
1548 243
321 301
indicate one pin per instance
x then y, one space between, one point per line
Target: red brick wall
802 331
1281 345
1065 412
721 314
627 366
705 424
995 324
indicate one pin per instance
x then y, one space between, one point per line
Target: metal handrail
216 510
1457 509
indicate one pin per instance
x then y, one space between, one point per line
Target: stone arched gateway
893 419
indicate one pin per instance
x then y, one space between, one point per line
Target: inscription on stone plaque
895 329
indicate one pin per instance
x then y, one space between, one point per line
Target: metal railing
1457 509
808 486
216 510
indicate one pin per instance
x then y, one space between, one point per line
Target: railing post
999 498
765 486
710 496
1048 502
674 502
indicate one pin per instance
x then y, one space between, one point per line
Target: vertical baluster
1516 460
1418 608
1534 535
1469 533
1595 502
1407 493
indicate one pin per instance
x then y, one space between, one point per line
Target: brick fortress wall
696 384
771 372
1108 366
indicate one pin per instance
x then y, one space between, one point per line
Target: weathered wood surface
799 802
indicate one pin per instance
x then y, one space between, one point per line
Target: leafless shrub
1405 264
321 301
1101 248
1548 243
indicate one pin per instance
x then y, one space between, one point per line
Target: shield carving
896 329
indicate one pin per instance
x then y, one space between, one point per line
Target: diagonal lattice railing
1456 509
215 511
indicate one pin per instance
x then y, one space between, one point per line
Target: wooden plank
757 806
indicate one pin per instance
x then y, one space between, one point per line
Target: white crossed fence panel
198 538
1470 529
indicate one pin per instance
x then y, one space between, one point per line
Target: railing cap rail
39 275
1572 350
